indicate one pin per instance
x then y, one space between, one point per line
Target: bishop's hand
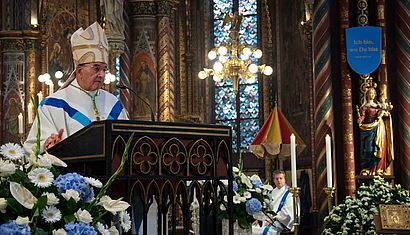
53 139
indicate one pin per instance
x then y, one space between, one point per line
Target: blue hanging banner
363 46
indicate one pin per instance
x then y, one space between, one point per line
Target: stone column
166 65
323 93
402 40
347 109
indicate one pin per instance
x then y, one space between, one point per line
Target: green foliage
356 216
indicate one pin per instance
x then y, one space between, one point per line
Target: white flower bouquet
251 199
356 216
36 199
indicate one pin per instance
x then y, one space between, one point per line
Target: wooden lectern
169 164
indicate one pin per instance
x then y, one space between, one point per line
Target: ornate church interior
217 92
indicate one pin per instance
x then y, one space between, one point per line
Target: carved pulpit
170 165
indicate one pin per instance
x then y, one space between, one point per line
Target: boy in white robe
283 207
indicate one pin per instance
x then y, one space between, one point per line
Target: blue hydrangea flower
253 206
15 229
79 228
235 186
257 183
76 182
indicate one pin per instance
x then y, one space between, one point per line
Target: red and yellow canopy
274 137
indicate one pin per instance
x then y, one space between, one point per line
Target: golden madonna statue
374 119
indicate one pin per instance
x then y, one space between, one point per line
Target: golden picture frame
394 217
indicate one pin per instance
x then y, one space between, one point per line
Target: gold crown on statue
370 84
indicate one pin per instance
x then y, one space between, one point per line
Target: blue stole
77 115
282 202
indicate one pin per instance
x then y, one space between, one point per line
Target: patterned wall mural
14 95
144 72
59 21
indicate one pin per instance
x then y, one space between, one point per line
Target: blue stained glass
221 7
117 66
249 129
232 124
248 31
221 33
247 7
249 102
225 101
117 73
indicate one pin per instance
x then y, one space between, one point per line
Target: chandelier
234 60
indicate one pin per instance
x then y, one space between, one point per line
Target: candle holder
329 191
295 194
21 138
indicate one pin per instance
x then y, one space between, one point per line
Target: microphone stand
121 86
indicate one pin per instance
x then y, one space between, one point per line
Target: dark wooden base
367 179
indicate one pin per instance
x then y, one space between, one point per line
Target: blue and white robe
72 109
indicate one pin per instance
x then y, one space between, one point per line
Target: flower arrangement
36 199
356 216
251 199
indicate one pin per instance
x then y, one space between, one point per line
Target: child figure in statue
376 148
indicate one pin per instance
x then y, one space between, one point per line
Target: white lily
113 206
55 160
22 195
245 179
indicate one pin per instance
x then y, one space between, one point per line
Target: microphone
122 86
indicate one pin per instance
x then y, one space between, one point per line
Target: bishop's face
91 76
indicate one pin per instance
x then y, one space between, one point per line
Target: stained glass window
117 73
227 105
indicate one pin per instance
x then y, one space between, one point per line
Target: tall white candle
30 113
40 96
293 160
51 89
329 161
21 125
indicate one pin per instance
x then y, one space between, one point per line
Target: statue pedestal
366 179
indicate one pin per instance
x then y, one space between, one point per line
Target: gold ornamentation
174 156
234 59
395 217
145 155
329 191
201 157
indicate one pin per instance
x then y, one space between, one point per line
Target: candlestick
329 191
293 160
295 195
40 97
329 161
30 113
21 125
